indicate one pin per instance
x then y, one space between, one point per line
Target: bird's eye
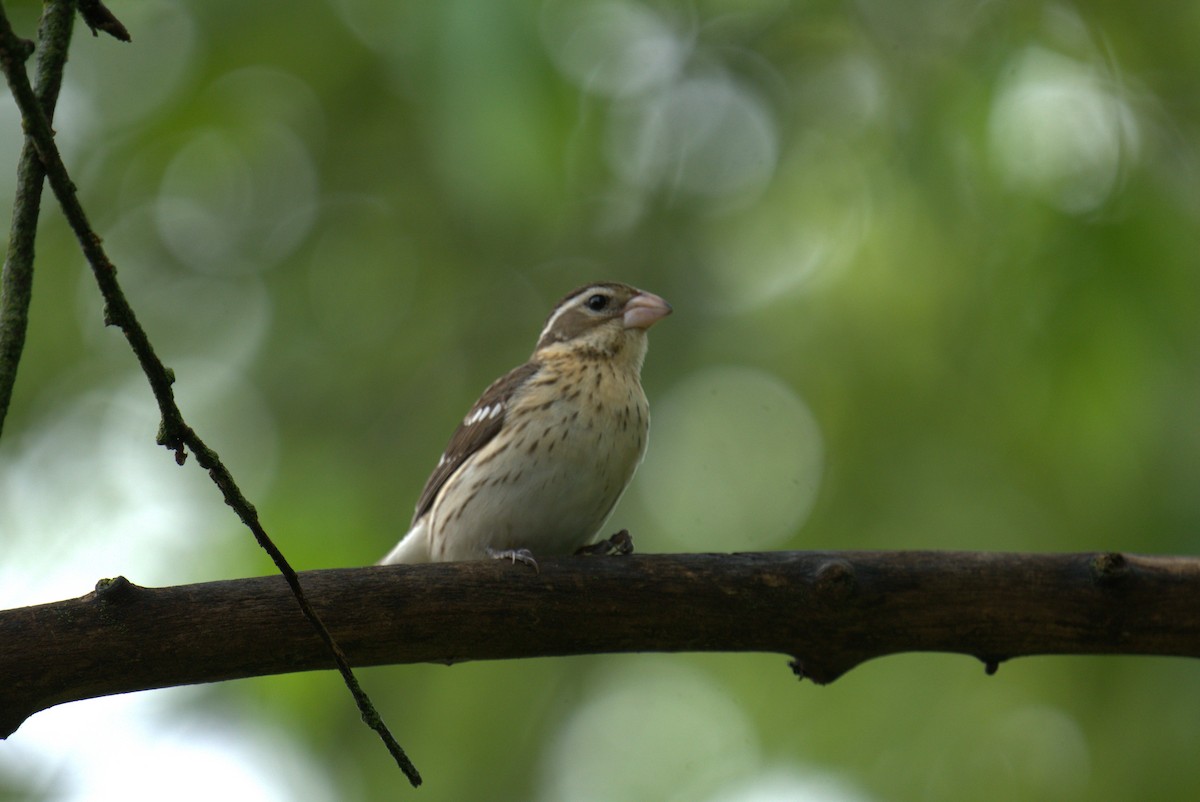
597 302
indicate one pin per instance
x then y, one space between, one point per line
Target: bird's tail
412 548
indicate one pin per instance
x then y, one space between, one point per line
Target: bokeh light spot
654 730
810 225
791 784
707 135
1058 131
614 49
735 461
237 199
1046 752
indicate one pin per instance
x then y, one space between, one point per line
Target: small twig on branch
97 17
830 611
16 279
174 433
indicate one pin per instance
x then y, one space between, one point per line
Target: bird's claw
618 544
515 555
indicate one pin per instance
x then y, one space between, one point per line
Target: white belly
549 488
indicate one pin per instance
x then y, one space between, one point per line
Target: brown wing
481 424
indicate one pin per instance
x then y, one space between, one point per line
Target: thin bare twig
99 18
174 432
16 281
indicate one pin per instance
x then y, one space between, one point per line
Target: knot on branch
991 663
836 581
825 668
170 437
1110 568
115 591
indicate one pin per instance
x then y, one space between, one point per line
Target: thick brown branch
829 611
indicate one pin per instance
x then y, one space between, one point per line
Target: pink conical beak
644 310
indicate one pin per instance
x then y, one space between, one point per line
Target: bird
540 460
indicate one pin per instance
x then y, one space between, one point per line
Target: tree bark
829 611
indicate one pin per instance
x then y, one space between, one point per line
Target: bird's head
605 320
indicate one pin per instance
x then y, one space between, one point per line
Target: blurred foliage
936 279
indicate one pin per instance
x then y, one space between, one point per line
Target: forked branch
174 433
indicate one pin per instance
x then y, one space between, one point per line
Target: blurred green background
936 274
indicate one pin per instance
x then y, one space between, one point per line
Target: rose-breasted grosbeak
543 456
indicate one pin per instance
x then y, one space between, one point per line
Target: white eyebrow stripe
570 303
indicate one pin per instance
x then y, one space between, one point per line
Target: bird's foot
619 544
515 555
